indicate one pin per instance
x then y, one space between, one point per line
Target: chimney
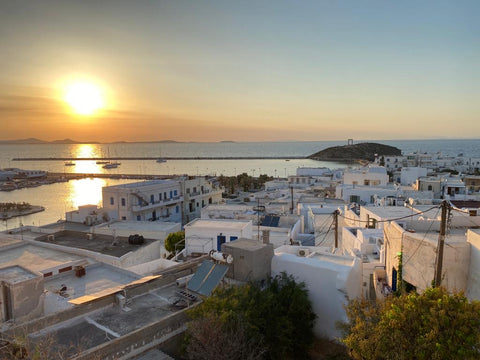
266 236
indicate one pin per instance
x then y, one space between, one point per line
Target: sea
59 198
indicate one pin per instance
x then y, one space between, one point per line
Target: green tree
432 325
175 241
277 316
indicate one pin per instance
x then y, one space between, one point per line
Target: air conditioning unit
303 252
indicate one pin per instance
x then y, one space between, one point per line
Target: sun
84 98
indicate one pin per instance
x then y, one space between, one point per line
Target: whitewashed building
203 235
410 175
370 176
144 201
331 279
177 200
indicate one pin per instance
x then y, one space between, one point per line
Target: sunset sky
241 70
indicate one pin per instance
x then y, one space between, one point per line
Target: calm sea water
61 197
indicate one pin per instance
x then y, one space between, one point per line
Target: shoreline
13 214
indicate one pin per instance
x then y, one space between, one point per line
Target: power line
421 242
324 238
394 219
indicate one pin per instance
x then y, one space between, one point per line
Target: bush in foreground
275 322
432 325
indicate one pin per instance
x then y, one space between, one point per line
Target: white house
370 176
409 175
141 201
203 235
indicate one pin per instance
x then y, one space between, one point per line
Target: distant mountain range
35 141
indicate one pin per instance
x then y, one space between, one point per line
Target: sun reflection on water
86 192
87 151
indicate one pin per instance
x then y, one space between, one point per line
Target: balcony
157 204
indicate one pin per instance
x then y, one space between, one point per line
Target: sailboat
110 164
160 159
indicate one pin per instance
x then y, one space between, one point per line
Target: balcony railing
157 204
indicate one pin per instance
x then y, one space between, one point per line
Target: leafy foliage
277 317
243 182
175 241
433 325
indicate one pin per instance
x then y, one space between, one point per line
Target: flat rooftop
391 212
111 322
36 258
140 184
246 244
16 274
97 278
217 224
138 226
99 243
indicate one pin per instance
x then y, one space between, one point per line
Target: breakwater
156 158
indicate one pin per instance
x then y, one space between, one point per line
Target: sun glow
85 98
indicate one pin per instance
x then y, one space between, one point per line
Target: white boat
69 163
161 160
112 165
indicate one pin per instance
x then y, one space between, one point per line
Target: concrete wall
24 299
250 262
473 287
140 340
419 255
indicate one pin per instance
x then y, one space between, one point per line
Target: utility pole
335 217
291 196
441 241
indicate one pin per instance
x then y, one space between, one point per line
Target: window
124 218
160 197
165 196
210 200
430 187
171 194
366 182
175 193
112 201
188 191
203 203
176 209
139 218
123 201
152 199
232 238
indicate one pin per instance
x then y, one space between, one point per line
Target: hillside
362 151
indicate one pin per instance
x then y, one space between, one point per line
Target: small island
355 152
10 210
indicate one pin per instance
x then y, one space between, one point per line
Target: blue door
220 240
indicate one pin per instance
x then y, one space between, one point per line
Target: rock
356 152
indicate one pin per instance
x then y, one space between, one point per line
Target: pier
110 158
